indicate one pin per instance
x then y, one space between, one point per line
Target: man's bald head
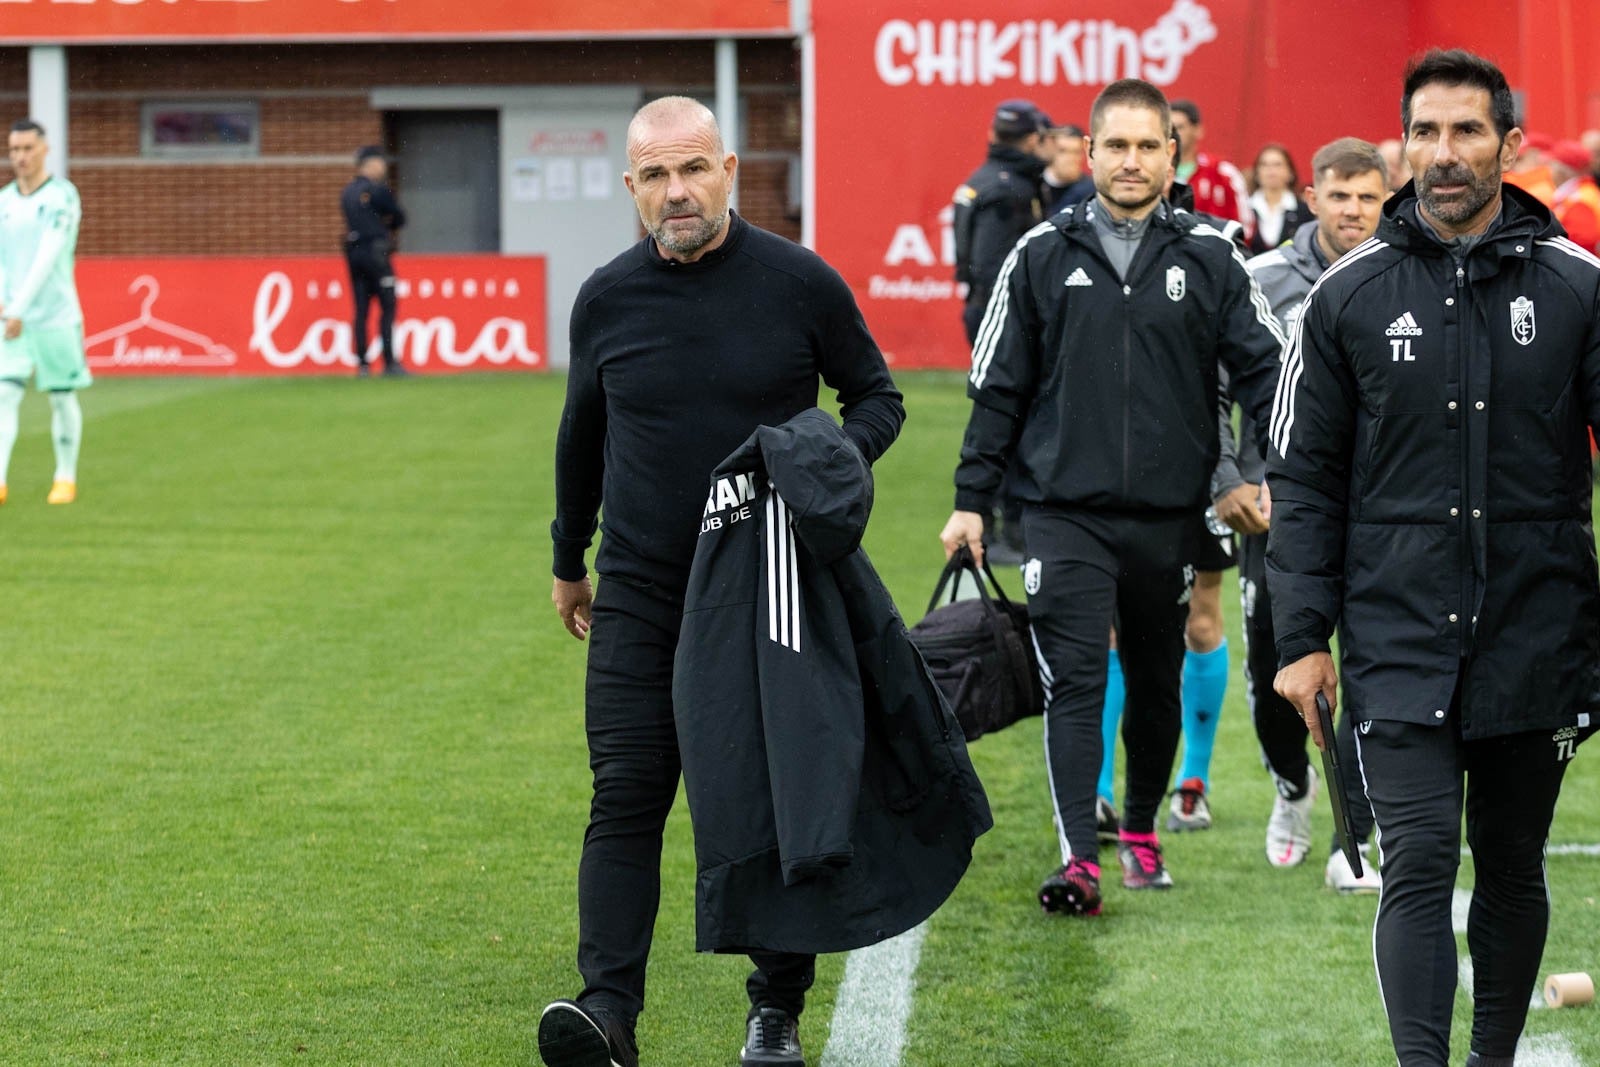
672 115
680 176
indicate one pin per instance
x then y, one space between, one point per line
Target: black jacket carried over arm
1106 391
1430 475
833 801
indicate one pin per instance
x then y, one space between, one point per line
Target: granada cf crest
1522 325
1178 284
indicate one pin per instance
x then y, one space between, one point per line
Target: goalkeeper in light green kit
43 325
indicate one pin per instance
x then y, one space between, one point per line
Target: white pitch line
1571 849
1460 901
1547 1050
874 1003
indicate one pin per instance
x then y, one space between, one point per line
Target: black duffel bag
980 651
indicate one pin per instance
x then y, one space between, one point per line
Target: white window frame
149 109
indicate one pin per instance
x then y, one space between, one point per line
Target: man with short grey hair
680 348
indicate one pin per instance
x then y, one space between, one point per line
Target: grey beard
1478 194
688 243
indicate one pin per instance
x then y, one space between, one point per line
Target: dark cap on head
370 151
1018 118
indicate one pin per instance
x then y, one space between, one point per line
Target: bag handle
961 561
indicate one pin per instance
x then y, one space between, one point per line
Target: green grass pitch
292 771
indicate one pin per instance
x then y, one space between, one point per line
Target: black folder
1333 772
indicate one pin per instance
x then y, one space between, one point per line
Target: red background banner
123 21
247 315
906 89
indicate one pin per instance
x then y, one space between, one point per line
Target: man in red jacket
1217 185
1577 198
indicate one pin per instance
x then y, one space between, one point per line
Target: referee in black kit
1431 493
681 347
371 215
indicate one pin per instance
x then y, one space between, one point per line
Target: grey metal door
447 176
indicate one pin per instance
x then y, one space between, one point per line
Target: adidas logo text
1404 326
1079 277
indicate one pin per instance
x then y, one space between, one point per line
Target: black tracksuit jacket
833 801
998 203
1430 475
1107 392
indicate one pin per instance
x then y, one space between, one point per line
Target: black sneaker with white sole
573 1036
772 1039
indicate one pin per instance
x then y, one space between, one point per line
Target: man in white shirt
42 332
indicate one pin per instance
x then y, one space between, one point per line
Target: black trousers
1084 570
1280 730
371 278
1419 779
633 752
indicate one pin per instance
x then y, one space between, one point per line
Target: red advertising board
119 21
906 89
249 315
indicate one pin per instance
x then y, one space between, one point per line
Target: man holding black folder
1431 496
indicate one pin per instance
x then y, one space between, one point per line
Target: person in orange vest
1532 170
1577 199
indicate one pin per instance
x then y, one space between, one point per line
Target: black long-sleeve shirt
673 366
371 213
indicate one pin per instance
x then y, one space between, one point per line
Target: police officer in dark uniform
371 215
999 203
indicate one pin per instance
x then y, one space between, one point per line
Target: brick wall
286 202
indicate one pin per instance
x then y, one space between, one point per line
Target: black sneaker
772 1039
572 1036
1072 890
363 370
1107 827
395 370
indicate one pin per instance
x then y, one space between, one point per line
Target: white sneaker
1338 874
1289 828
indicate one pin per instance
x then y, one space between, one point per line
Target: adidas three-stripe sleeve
1308 468
1004 376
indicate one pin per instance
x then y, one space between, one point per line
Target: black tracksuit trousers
1280 730
633 752
1419 778
1085 570
371 278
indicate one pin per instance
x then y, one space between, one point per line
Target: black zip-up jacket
1107 392
371 213
1430 475
833 801
1000 202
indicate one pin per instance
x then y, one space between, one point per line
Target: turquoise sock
1110 717
1205 683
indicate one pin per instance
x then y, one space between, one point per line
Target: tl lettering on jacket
728 502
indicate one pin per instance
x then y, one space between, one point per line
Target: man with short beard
1095 378
1430 488
680 348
